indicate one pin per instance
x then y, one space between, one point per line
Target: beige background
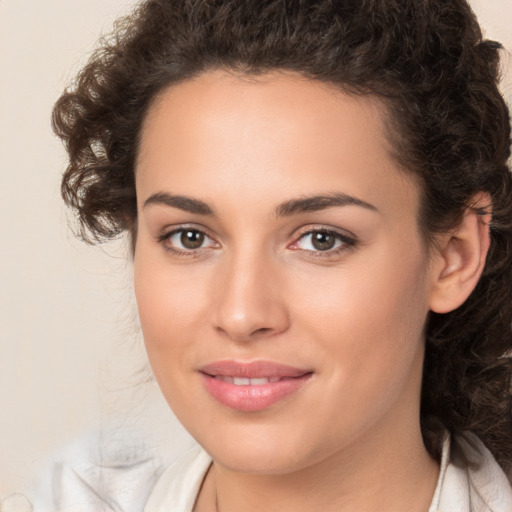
71 355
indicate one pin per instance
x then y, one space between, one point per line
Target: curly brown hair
425 59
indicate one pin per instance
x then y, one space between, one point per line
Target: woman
318 200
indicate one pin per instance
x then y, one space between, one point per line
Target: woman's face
280 276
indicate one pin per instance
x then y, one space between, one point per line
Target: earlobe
461 256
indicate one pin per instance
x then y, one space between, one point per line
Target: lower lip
252 398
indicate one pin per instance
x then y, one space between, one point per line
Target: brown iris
191 239
323 241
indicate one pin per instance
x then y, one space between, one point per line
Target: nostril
244 334
261 330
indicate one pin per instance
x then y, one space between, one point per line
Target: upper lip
252 369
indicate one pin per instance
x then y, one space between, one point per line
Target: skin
258 289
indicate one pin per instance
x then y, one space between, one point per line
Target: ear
459 257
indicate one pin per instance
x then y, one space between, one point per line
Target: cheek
368 319
171 317
380 292
171 305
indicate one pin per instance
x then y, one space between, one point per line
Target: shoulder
470 479
178 486
95 474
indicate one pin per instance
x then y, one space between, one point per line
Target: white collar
470 479
178 486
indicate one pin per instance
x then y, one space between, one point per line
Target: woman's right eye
186 240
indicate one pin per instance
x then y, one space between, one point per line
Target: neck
389 474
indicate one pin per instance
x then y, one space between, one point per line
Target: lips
253 386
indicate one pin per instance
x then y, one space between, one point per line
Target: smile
244 381
254 386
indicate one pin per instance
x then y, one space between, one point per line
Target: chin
258 462
258 450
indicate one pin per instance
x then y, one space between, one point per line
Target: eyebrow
320 202
181 202
288 208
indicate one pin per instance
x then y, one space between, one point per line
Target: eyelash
164 240
346 244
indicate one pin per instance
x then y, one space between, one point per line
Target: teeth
241 381
259 382
244 381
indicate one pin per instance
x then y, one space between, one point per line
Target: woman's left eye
322 240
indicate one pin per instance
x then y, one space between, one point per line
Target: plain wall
71 352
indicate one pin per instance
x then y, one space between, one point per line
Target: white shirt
469 480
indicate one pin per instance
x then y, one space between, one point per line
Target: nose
250 300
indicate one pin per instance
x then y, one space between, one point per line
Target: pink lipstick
252 386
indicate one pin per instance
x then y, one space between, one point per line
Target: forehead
274 133
219 100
